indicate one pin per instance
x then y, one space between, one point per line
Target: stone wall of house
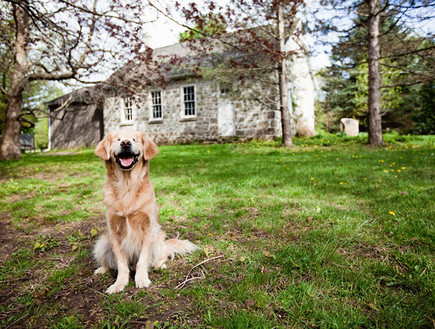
250 120
254 120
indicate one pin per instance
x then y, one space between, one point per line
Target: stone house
189 108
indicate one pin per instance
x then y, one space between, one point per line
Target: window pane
189 100
156 97
157 111
128 109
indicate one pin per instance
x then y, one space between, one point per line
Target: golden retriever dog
134 240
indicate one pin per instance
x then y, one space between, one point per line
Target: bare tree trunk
374 54
10 143
328 113
283 92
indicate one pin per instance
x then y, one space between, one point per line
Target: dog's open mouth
126 160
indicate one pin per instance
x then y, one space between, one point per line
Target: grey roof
85 95
179 49
166 63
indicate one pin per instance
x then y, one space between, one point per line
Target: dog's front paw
116 287
142 282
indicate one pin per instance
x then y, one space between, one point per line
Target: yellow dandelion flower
392 213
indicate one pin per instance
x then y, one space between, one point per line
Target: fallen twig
187 279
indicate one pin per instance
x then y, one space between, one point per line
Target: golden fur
134 239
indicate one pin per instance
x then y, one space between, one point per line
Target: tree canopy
60 40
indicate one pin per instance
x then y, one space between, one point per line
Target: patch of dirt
9 238
12 238
63 229
365 251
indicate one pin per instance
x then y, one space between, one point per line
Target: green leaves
44 243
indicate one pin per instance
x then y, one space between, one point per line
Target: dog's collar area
126 160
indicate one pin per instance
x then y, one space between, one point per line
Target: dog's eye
134 140
119 139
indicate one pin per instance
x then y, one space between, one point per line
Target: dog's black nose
125 143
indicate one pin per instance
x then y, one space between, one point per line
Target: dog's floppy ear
150 149
103 148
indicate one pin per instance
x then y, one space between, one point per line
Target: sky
162 31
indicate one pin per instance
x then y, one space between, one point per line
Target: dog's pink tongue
126 162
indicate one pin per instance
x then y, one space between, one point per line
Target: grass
328 234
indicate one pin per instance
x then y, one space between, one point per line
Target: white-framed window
127 115
189 109
224 88
156 105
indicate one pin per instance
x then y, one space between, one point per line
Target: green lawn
328 234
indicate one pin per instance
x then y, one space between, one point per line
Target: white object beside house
349 126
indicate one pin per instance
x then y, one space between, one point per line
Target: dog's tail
174 246
103 253
181 247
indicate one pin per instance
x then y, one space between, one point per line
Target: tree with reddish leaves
253 43
58 41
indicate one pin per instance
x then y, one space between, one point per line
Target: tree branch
47 75
90 36
408 53
405 84
105 14
191 28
